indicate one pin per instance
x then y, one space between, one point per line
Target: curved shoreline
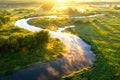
78 56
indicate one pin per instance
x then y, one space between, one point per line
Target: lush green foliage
20 48
21 42
42 52
3 17
50 23
103 35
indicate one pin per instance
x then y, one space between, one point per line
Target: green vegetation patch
104 37
50 23
20 48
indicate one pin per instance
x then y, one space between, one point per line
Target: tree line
22 42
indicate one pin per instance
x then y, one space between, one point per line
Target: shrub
42 36
72 11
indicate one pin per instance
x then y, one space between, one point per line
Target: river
79 56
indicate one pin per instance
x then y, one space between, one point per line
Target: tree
47 5
42 36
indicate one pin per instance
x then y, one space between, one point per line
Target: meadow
104 36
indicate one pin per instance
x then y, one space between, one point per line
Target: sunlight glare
60 1
81 10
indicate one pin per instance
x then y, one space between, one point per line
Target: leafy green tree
42 36
47 5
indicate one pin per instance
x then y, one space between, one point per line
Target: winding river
78 56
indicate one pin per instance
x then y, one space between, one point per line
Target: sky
71 0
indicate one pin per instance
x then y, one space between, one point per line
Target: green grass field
104 37
50 23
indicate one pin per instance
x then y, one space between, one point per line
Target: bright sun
60 1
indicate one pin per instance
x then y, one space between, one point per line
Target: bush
42 36
72 11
